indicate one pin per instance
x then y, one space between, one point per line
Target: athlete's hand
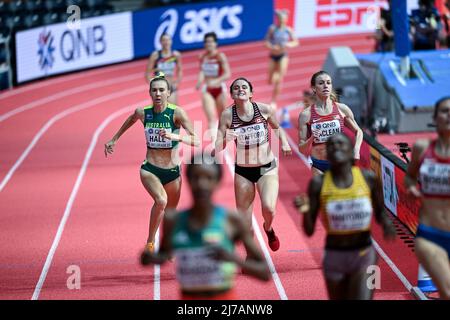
316 135
287 151
109 147
166 135
301 202
219 253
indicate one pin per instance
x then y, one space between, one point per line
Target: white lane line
380 251
157 272
72 197
57 117
397 272
262 243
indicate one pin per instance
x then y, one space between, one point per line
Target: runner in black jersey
247 123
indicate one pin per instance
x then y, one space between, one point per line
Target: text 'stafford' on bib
154 140
322 131
251 135
349 215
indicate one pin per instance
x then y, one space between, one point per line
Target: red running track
63 204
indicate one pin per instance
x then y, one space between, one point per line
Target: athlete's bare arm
255 265
350 122
181 118
268 36
294 41
224 134
270 115
310 216
137 115
412 172
305 143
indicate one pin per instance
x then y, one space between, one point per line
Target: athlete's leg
435 261
159 195
279 73
272 67
209 106
221 101
244 192
268 192
173 191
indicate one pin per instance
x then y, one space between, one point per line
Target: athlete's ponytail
160 76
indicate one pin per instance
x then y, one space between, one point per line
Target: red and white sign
327 17
310 18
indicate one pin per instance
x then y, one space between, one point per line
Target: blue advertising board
233 21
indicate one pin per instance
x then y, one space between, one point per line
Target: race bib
322 131
435 178
254 134
154 140
196 269
349 215
167 67
210 69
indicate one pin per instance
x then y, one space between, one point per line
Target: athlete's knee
268 208
160 202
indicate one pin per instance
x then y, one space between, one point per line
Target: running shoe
274 242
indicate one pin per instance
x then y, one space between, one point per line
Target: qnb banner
232 21
60 48
332 17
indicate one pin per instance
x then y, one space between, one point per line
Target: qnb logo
46 49
347 13
169 26
88 42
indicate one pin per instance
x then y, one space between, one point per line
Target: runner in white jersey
279 38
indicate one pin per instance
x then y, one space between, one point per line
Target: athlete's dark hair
203 158
314 77
346 138
437 105
210 34
165 34
244 79
159 76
